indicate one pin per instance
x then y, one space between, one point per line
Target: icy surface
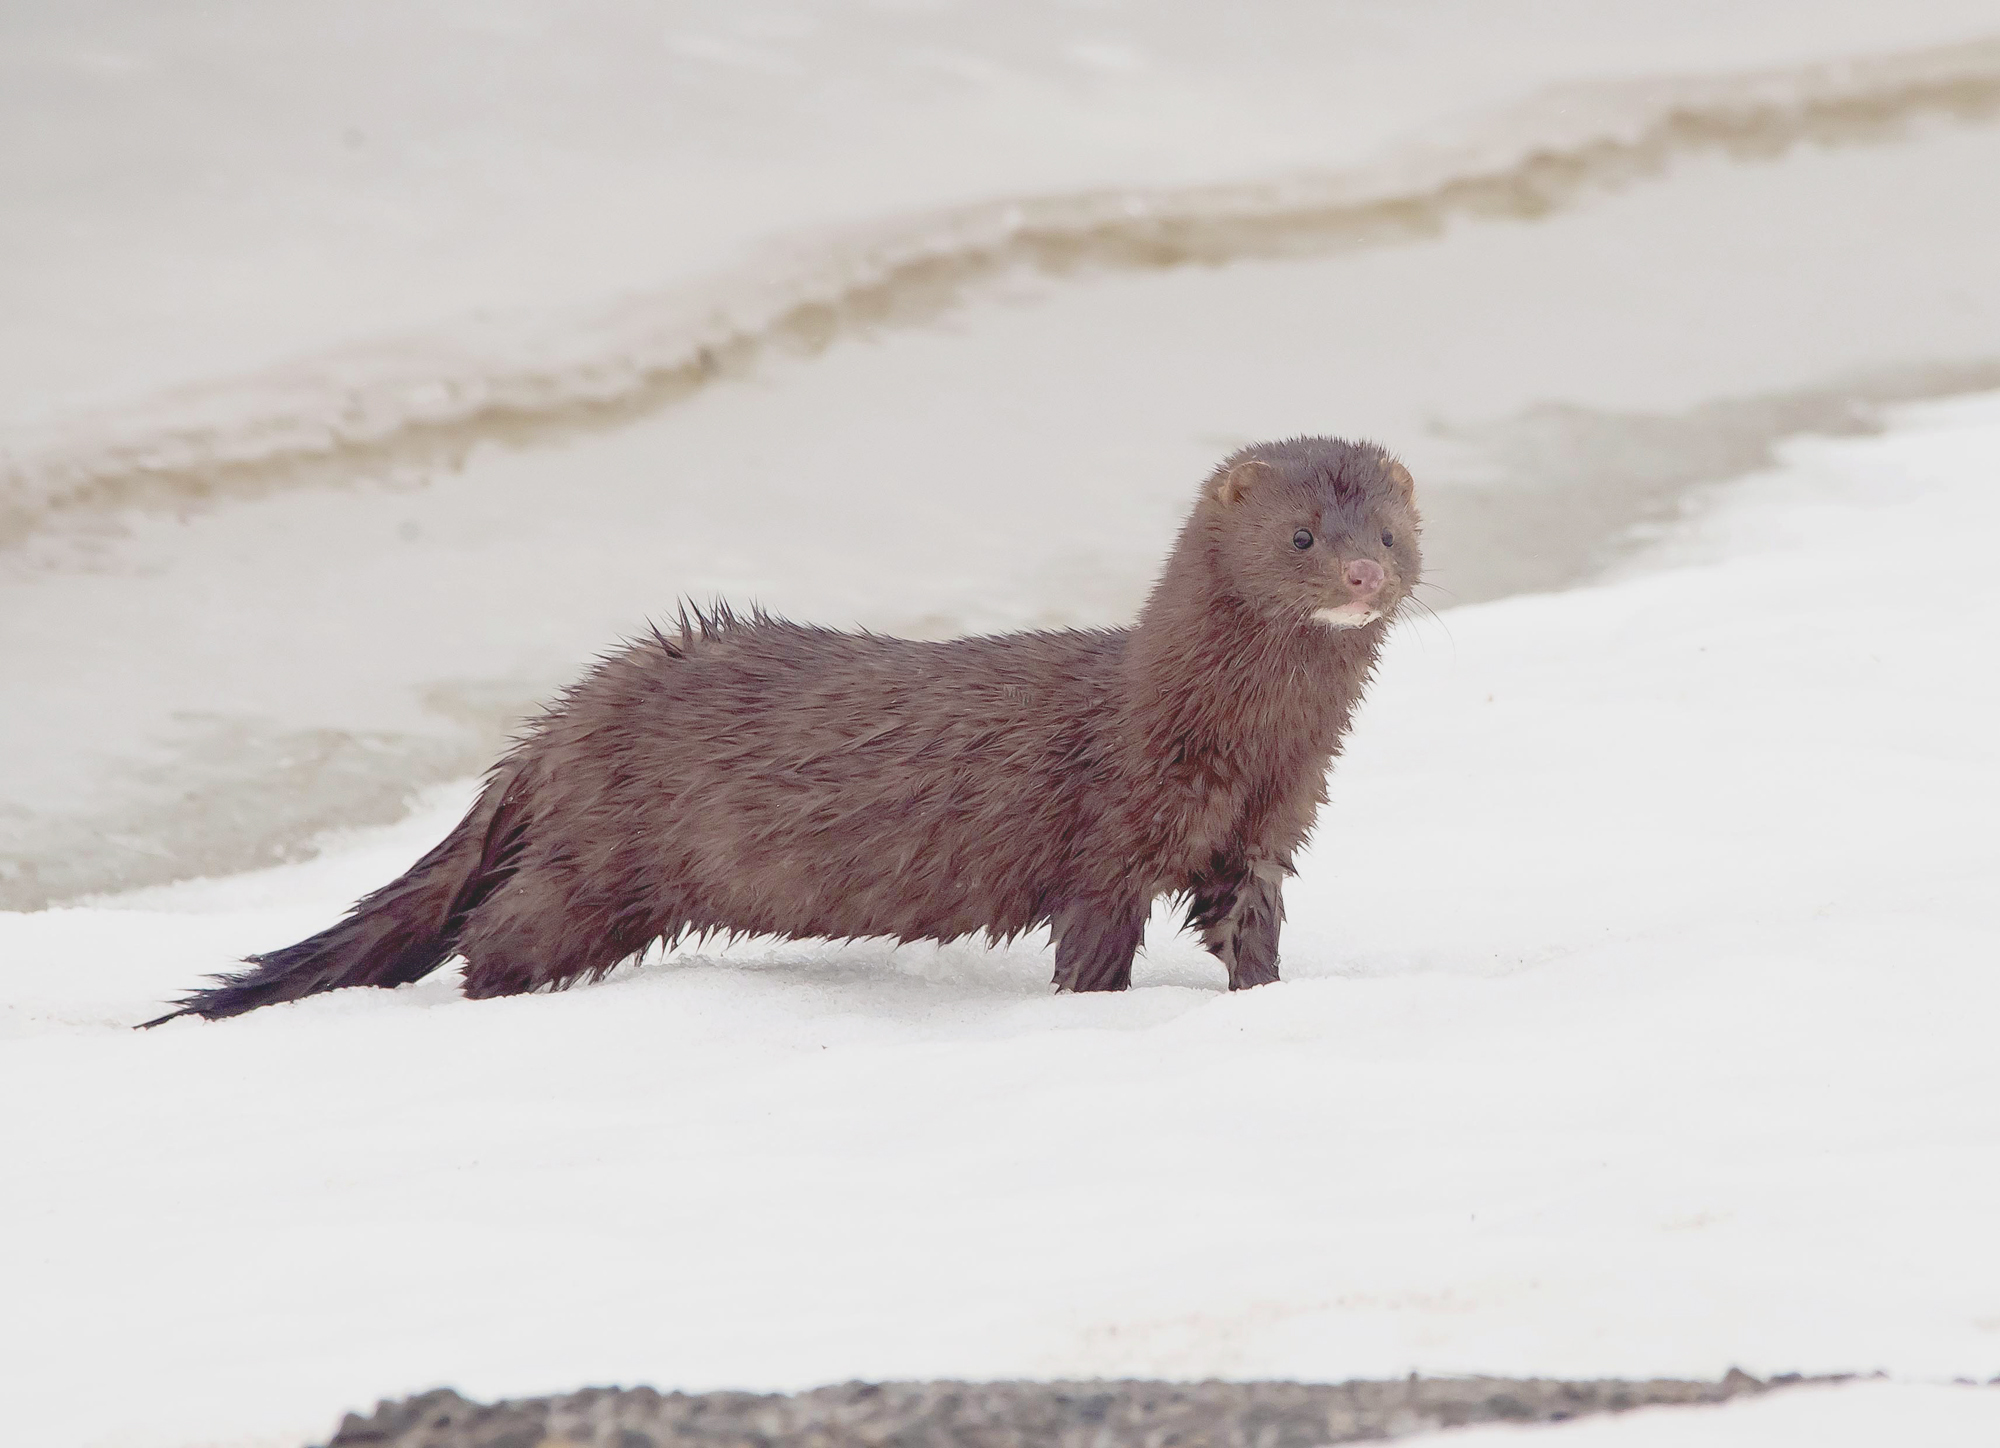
198 189
241 231
361 371
1638 1019
298 660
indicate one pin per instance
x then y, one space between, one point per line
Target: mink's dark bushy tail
400 933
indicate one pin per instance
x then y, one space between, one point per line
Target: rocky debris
1017 1414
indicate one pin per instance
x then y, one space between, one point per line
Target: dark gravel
1017 1415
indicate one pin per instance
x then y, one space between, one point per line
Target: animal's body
756 776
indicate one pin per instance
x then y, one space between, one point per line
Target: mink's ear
1400 476
1239 480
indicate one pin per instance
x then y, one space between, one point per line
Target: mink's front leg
1239 922
1095 943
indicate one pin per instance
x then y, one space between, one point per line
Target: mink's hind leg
1242 929
531 934
1095 943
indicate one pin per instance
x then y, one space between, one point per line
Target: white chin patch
1348 615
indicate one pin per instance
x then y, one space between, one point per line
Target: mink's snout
1364 578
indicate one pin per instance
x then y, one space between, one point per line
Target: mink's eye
1302 540
1388 539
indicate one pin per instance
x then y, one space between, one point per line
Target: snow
1638 1019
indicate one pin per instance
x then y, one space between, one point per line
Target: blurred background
364 369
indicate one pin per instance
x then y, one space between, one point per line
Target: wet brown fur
754 776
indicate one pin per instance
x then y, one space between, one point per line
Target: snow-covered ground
1640 993
1639 1018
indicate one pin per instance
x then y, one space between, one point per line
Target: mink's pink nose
1365 578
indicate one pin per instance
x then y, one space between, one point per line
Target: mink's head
1314 530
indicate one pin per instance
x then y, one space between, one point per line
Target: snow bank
1638 1020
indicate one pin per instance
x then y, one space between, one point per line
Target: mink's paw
1248 973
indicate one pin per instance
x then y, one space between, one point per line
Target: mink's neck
1210 677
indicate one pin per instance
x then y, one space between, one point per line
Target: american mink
753 776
